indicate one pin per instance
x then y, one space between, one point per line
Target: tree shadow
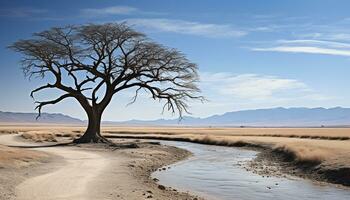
112 145
43 146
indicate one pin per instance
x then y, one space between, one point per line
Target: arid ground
320 154
82 171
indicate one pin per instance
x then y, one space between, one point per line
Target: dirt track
92 172
70 181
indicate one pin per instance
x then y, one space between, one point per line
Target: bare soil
91 172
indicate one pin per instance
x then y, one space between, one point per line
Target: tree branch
44 103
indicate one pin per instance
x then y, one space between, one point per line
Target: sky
251 54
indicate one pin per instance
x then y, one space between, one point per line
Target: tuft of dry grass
39 137
11 157
48 136
302 154
8 132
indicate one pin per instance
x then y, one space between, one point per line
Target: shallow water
213 172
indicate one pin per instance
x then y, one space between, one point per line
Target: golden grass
16 157
316 133
304 133
303 154
39 137
47 136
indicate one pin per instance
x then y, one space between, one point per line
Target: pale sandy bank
88 172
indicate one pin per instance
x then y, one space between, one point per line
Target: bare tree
91 63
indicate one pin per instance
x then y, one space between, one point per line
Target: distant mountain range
55 118
279 117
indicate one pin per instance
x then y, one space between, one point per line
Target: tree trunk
93 131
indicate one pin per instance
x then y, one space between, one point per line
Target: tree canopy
110 55
92 62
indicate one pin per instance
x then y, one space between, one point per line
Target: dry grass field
16 157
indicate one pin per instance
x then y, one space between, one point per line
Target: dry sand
91 172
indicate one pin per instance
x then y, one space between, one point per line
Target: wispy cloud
115 10
324 47
334 30
255 87
22 12
188 27
336 34
304 35
320 43
106 11
306 49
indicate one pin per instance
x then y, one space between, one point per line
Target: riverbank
305 158
272 162
319 154
91 172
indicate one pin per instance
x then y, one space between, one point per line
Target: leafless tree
91 63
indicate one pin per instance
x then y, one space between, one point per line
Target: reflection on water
213 173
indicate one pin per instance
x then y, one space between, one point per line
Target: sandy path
90 173
70 181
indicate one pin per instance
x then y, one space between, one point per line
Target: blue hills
278 117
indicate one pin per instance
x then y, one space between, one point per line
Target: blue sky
251 54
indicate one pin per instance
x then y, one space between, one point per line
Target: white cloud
309 46
253 86
22 12
113 10
339 36
188 27
306 49
332 33
228 92
319 43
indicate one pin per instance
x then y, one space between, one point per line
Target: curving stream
213 172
